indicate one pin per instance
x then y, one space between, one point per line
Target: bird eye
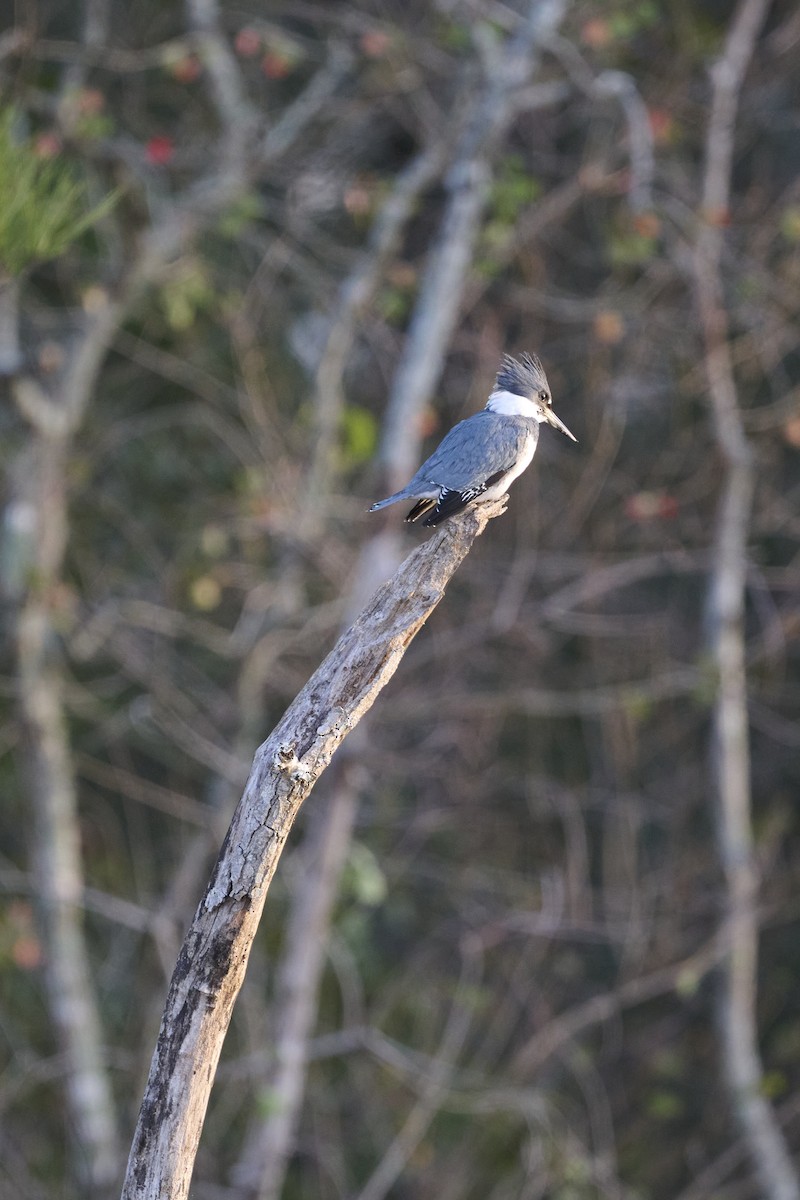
545 398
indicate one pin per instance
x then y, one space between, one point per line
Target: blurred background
536 931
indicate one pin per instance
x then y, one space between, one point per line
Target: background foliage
517 990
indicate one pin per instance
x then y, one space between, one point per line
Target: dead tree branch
726 636
212 963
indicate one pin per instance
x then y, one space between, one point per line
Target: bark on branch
212 963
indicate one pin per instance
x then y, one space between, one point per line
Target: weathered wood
212 962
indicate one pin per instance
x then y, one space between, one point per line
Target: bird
482 456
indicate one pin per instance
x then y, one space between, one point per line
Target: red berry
159 150
47 145
374 43
186 69
275 65
247 42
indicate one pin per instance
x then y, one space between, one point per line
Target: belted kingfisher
481 457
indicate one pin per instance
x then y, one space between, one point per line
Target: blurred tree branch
564 1028
261 1167
741 1060
354 297
435 1085
57 855
467 185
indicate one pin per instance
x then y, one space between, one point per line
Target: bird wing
450 502
473 456
486 445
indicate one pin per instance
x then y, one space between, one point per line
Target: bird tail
385 503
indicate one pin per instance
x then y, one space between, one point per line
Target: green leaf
514 189
269 1103
631 249
665 1105
790 223
365 876
185 294
360 431
243 212
44 205
773 1084
394 304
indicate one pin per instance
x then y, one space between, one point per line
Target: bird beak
553 420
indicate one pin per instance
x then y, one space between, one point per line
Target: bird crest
522 377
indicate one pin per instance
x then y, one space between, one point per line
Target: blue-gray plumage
480 457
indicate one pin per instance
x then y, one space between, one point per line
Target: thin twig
285 132
433 1090
354 297
621 86
227 90
565 1028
